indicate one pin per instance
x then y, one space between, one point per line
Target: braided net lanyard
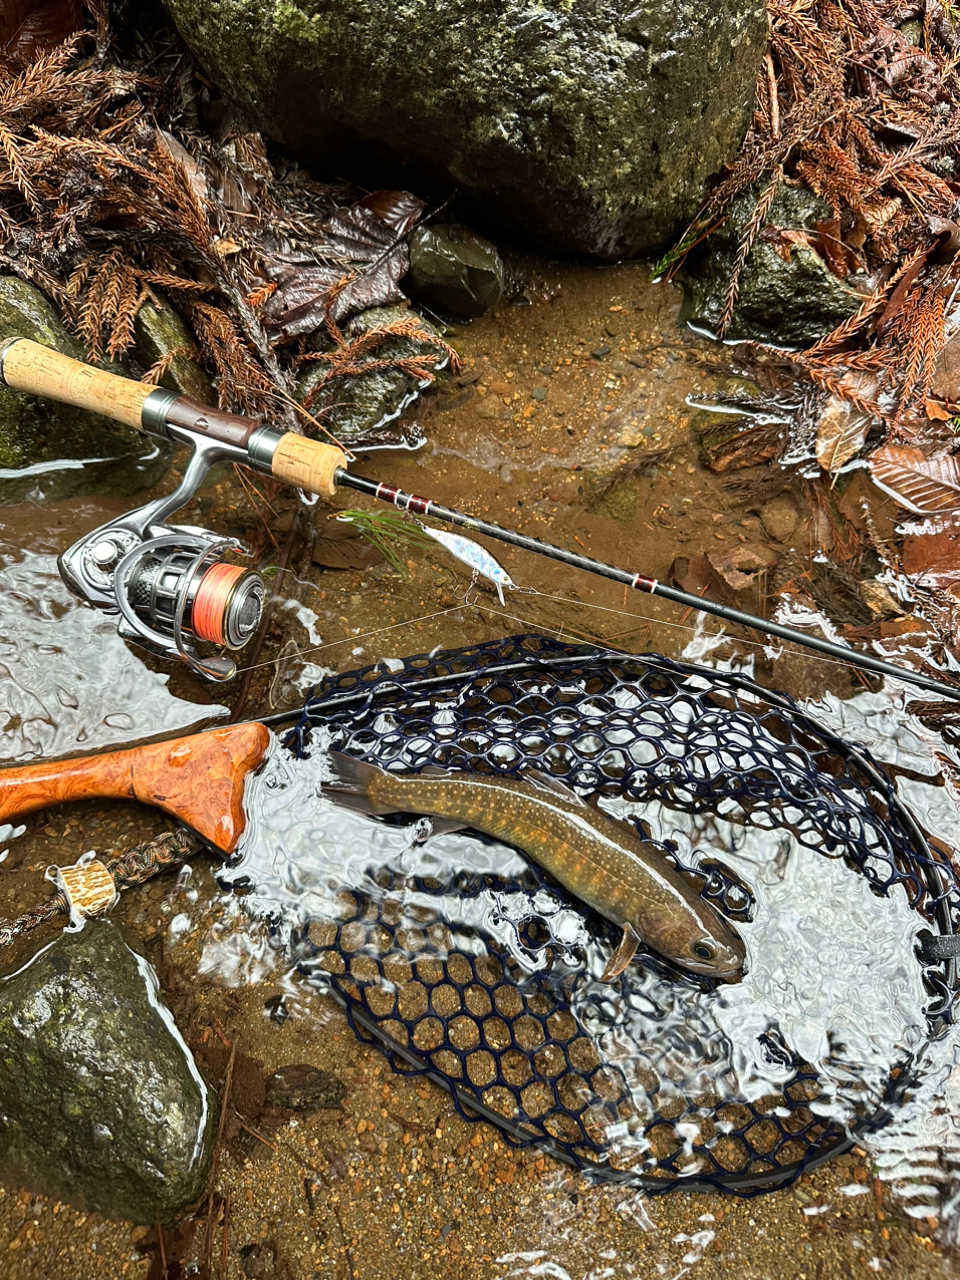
121 872
636 1080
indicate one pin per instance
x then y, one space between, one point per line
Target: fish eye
704 951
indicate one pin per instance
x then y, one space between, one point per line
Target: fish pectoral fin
623 954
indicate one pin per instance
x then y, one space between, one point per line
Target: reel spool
170 583
173 590
178 588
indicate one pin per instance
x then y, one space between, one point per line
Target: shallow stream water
570 421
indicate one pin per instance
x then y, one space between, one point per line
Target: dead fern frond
918 331
260 295
129 302
355 357
103 154
832 379
79 276
160 368
833 173
16 168
926 191
847 330
29 90
177 284
109 307
239 377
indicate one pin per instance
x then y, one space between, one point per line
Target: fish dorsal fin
544 782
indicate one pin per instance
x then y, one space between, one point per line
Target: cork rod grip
41 371
308 464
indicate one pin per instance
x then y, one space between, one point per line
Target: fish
601 860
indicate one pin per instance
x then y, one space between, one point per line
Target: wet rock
42 442
790 302
362 411
100 1100
591 126
489 407
160 334
780 518
299 1087
455 271
609 493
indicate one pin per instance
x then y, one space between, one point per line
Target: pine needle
388 533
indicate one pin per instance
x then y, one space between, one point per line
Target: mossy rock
101 1102
592 126
788 302
50 450
159 330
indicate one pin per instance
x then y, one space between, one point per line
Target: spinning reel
170 583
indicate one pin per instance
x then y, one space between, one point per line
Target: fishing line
681 626
684 626
363 635
559 632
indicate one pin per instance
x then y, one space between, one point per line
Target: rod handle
308 464
28 366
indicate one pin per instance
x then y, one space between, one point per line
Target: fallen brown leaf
926 485
931 555
840 434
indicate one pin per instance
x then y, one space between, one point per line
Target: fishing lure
476 557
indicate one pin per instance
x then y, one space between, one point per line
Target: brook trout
603 861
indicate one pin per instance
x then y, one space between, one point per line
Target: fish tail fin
355 783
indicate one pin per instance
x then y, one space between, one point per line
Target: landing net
488 983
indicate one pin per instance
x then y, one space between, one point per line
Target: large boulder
591 125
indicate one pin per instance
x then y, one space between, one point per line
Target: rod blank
426 507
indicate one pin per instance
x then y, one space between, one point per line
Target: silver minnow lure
603 861
471 553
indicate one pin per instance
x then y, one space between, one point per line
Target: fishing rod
171 583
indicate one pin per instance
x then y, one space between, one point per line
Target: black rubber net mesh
528 1046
